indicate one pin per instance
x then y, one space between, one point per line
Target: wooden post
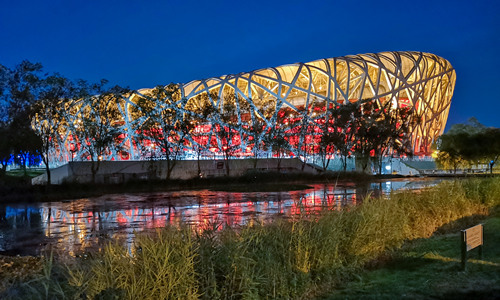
463 236
481 251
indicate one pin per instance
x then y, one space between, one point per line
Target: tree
260 125
466 140
20 89
6 147
488 142
392 132
47 116
165 122
4 91
256 131
5 134
26 145
380 128
198 110
226 128
326 148
338 134
302 127
469 144
96 130
275 139
243 116
366 115
450 151
197 135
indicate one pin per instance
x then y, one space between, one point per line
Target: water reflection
80 225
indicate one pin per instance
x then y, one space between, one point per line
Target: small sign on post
471 238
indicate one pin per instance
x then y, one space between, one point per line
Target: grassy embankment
305 257
430 269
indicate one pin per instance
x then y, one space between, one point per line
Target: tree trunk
199 167
24 160
47 168
94 169
170 167
226 160
3 170
380 166
255 159
255 154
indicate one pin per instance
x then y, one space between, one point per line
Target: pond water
76 226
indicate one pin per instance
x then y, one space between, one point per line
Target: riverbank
17 189
307 256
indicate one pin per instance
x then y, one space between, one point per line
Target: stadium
287 95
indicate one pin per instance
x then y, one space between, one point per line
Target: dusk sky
141 44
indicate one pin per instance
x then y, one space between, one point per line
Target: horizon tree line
467 145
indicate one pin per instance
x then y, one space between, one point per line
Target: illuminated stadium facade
421 81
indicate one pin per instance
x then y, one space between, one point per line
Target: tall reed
282 260
160 267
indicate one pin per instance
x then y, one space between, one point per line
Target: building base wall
114 172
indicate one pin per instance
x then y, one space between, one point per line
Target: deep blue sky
145 43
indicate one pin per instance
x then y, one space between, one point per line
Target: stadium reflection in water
80 225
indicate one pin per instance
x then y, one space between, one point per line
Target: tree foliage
19 91
367 129
48 118
341 129
277 140
227 128
390 132
96 130
165 125
469 144
200 109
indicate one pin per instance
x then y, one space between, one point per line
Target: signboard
474 237
471 238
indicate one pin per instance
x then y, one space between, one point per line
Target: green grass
303 257
431 268
30 172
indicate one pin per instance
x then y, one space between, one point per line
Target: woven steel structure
422 81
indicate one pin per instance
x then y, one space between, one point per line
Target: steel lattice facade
422 81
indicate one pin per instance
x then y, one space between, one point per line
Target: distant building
422 81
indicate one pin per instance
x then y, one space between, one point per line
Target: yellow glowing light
420 81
